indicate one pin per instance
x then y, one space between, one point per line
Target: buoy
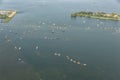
68 57
15 47
74 61
71 59
84 64
19 59
59 54
78 62
55 54
19 48
36 47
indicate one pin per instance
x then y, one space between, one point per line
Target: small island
97 15
6 15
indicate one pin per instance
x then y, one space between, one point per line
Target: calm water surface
42 42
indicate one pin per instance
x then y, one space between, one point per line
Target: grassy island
98 15
7 15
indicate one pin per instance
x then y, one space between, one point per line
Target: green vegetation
3 16
98 15
6 15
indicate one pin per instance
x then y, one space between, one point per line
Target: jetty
97 15
7 15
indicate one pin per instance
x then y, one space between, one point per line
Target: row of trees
96 14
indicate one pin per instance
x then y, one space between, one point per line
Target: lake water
42 42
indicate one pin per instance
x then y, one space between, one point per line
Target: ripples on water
46 46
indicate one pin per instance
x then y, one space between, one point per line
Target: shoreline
7 15
97 15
